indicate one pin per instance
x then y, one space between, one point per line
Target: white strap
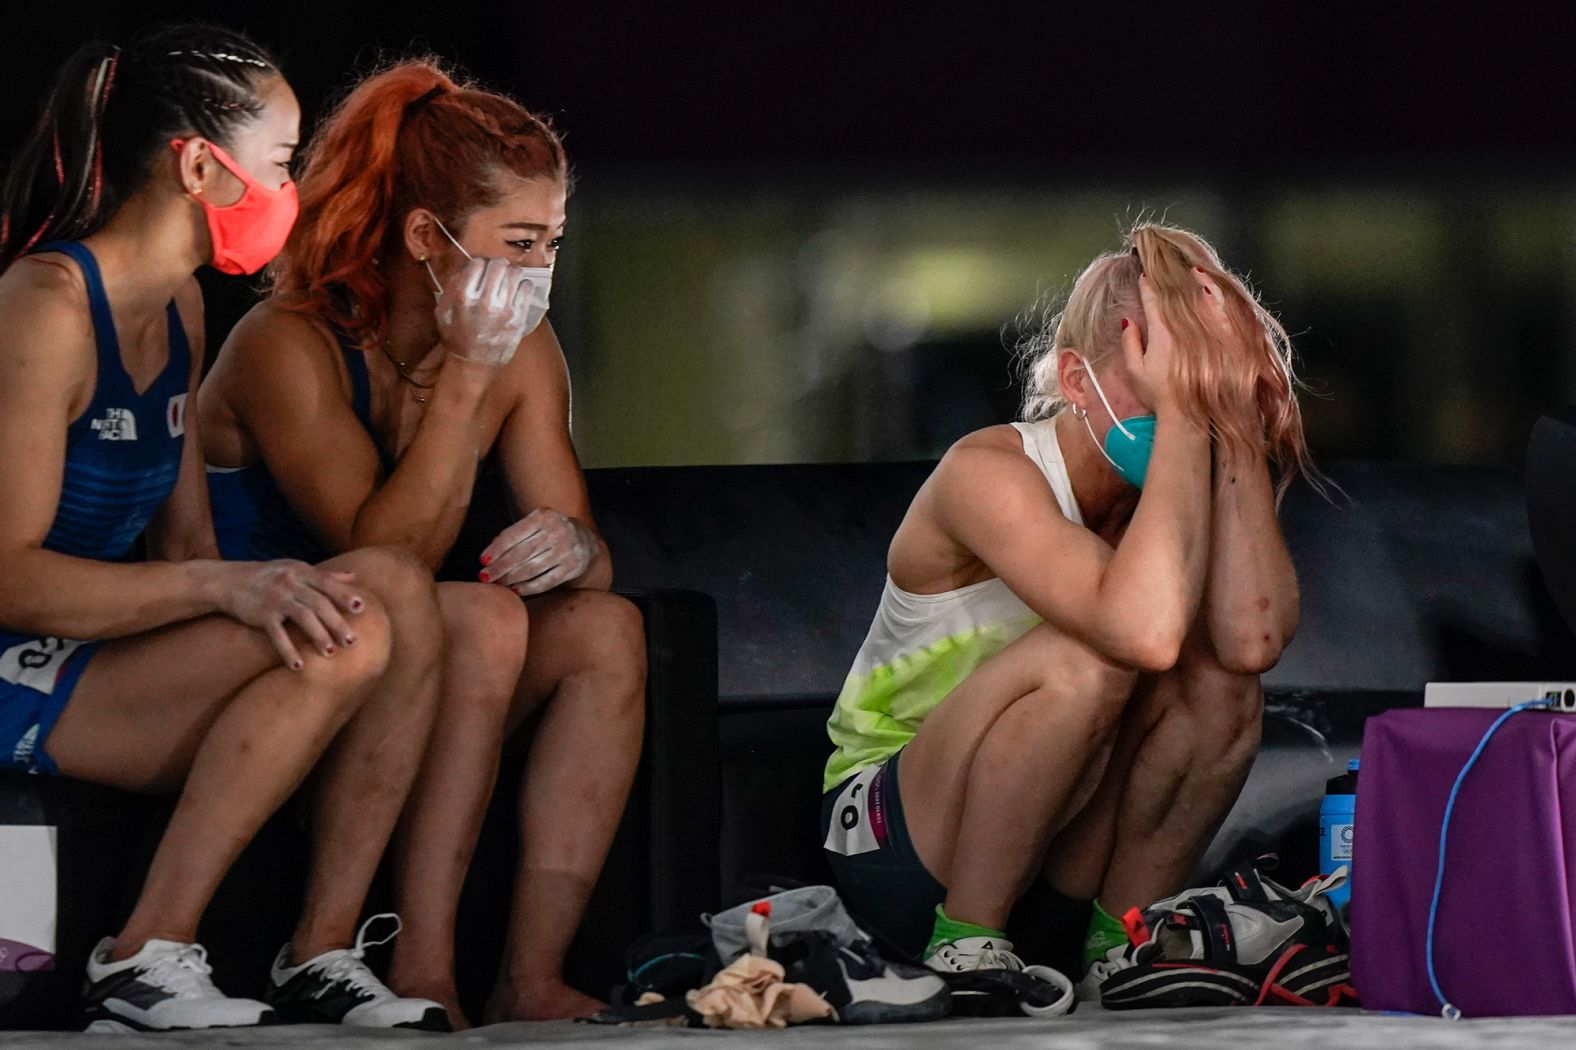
1107 404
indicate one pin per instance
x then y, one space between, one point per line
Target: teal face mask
1128 443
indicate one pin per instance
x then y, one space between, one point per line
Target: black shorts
883 882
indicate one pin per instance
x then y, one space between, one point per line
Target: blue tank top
123 453
123 457
252 520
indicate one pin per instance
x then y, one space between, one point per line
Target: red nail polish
355 605
330 650
486 559
350 639
296 666
1124 324
483 577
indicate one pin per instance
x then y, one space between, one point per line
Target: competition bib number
859 817
36 663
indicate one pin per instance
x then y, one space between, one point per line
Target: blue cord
1448 1010
637 972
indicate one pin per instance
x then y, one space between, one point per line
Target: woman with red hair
404 341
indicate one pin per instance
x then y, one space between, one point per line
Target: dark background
804 232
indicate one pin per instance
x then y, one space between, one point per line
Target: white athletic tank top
922 645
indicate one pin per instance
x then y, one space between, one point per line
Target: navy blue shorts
885 885
37 677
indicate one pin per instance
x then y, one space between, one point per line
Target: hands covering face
1149 353
485 312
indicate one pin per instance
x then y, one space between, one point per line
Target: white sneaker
338 988
974 953
1050 994
164 987
1118 957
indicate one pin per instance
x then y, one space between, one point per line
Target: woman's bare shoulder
45 315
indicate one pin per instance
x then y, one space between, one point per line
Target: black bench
659 873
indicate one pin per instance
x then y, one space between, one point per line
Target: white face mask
540 279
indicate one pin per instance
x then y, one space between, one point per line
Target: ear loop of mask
1108 410
438 288
1083 414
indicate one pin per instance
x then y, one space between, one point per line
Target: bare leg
1077 859
1003 763
486 629
359 789
1185 749
207 704
588 663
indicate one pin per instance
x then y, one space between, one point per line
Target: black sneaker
862 987
338 988
163 988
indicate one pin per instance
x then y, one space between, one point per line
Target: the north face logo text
118 424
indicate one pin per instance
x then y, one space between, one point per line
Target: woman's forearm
50 594
1160 564
421 506
1251 600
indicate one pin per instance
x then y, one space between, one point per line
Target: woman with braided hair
405 340
232 684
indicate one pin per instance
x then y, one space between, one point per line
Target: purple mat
1503 939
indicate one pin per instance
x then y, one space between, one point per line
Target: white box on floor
27 897
1499 695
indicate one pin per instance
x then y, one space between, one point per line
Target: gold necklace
404 372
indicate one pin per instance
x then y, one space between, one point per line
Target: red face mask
250 232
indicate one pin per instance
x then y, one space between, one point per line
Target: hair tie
421 100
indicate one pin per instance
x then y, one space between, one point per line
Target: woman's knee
408 593
1212 718
348 676
486 631
611 636
394 575
1109 685
1071 672
1227 708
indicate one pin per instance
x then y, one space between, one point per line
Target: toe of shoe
434 1019
423 1014
1088 990
219 1013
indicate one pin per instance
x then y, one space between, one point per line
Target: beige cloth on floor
751 993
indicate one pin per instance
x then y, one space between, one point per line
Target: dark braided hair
111 113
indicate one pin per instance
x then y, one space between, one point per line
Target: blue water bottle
1335 828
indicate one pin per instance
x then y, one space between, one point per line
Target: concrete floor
1272 1028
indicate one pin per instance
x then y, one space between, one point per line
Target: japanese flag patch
175 415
